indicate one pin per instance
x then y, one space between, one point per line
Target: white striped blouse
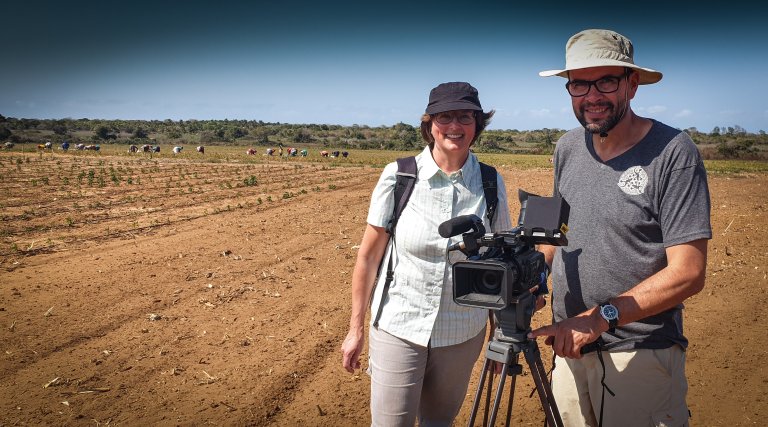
419 306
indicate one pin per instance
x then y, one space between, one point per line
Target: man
638 231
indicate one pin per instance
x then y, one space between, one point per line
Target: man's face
602 96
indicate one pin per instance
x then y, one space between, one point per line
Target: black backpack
405 181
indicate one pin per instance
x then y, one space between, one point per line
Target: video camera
503 275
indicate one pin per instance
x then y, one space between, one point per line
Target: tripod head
514 321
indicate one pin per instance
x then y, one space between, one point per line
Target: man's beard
603 126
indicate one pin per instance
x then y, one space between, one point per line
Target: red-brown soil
197 295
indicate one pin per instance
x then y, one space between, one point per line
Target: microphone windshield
461 224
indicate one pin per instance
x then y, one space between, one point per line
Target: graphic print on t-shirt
633 181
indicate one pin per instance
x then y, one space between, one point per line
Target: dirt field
170 292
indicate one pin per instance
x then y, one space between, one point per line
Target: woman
422 353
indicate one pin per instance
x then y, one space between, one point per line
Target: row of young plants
72 198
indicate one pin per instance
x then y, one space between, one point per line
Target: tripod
505 348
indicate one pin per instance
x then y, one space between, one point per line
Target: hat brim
647 75
451 106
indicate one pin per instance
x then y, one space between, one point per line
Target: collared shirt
419 306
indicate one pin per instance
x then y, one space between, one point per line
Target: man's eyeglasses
607 84
447 117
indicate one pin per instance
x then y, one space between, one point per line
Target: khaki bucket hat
601 48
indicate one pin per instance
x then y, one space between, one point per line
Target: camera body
497 277
503 275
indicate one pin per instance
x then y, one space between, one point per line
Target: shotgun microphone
461 224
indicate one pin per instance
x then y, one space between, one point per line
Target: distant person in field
423 345
637 246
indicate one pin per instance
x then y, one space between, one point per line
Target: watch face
609 312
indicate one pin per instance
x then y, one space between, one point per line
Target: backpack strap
405 181
490 188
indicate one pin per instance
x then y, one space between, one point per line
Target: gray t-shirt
624 213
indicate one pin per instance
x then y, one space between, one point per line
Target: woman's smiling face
454 130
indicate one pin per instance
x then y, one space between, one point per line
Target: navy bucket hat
453 96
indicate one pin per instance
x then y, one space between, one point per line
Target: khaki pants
649 388
409 380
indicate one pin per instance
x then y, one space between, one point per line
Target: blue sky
368 63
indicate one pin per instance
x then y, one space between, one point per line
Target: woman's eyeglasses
448 117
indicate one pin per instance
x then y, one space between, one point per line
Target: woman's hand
351 349
371 251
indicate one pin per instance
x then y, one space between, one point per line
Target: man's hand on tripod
567 337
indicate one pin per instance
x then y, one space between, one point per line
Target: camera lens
490 282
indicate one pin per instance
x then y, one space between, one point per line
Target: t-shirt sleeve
685 204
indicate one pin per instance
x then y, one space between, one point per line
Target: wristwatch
610 313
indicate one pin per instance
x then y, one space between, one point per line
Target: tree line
722 142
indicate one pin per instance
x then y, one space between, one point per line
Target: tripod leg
512 384
499 392
479 393
533 357
488 392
